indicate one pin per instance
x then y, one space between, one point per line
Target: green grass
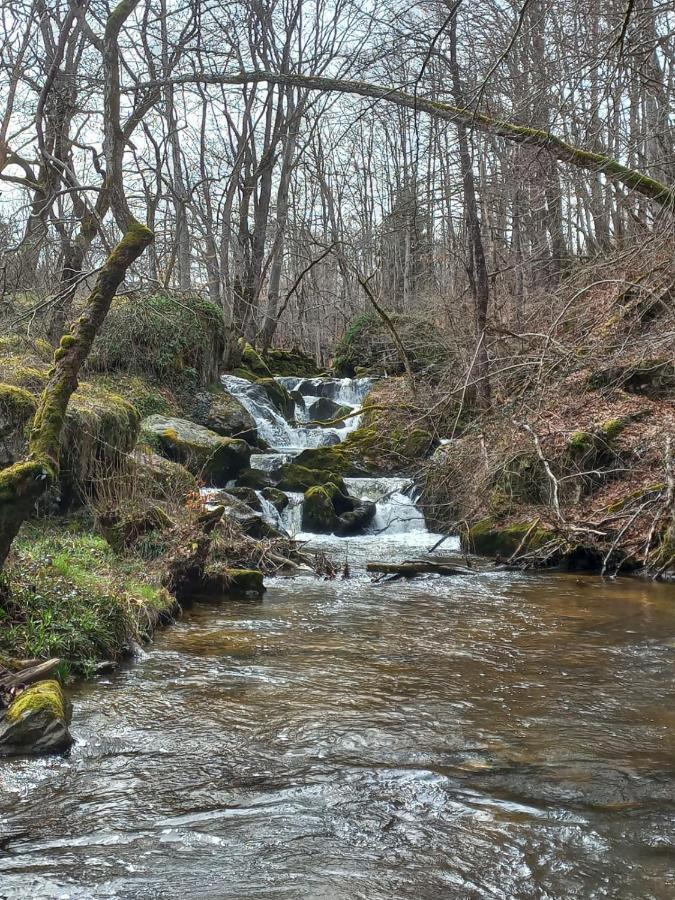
71 596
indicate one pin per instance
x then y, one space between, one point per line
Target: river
495 735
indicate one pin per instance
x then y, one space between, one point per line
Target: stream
495 735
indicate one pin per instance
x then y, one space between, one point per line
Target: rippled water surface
497 736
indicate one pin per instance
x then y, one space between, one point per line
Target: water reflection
496 736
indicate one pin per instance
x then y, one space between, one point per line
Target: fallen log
30 675
410 569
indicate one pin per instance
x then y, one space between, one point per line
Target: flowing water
494 735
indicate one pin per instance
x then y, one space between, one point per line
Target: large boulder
368 347
37 721
224 414
16 410
293 477
318 512
279 396
356 520
159 477
248 520
325 410
206 454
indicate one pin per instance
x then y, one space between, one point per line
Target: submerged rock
37 721
206 454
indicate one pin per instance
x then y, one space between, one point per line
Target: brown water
493 736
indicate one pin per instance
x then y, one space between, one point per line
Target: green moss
174 341
254 362
487 538
45 695
291 363
612 428
277 498
278 395
16 404
293 477
71 596
318 510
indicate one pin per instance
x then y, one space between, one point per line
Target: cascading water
396 518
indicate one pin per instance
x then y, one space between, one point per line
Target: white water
397 518
286 437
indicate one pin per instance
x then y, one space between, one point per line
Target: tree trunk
24 482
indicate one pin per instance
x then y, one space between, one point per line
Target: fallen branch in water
412 568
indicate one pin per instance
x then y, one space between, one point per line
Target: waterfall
297 436
396 513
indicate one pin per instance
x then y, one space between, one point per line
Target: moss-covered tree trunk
23 483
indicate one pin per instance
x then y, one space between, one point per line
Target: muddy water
497 736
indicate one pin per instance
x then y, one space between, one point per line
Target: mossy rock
36 722
253 478
291 363
318 512
279 396
123 528
521 479
253 361
172 339
487 538
147 396
383 445
653 378
248 496
325 410
368 348
276 497
227 582
100 429
159 477
206 454
221 412
17 407
297 478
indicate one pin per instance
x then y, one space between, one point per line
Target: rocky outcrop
37 721
279 396
160 478
329 509
226 582
207 455
325 410
276 497
368 346
294 477
318 512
